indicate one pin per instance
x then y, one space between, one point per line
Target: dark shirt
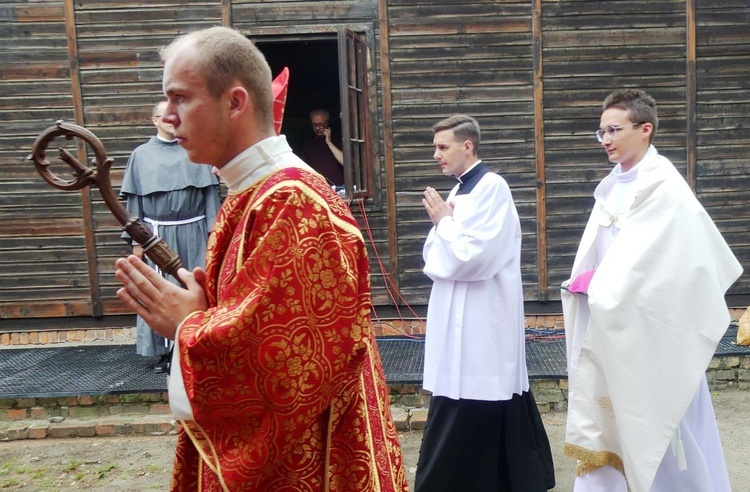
316 154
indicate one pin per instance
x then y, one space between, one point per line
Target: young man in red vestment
275 374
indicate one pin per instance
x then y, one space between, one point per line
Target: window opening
328 72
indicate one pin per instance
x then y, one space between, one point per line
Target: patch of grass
79 476
39 473
5 467
129 399
9 483
47 483
71 466
104 470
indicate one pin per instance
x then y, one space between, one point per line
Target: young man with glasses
644 311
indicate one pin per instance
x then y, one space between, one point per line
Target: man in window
484 431
323 152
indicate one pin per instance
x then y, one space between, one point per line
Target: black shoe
162 366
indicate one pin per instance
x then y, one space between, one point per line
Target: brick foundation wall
49 337
37 418
83 407
396 327
86 416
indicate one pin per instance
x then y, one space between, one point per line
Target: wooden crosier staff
154 247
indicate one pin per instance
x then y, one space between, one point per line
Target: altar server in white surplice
483 431
644 311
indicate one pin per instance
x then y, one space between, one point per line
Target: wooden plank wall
591 48
249 15
470 56
460 57
120 71
45 261
114 44
43 258
476 57
280 18
723 123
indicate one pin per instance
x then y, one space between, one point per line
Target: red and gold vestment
282 371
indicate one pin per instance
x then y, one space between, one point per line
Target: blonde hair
225 55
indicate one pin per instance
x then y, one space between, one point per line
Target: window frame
356 44
357 132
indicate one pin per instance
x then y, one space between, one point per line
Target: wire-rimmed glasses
611 131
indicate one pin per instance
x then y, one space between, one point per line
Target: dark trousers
478 446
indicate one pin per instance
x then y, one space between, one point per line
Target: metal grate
546 359
117 369
77 370
728 343
402 359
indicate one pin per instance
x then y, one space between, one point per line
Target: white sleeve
479 239
179 402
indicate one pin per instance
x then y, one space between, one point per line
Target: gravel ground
144 463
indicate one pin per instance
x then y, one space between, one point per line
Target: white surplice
474 345
639 344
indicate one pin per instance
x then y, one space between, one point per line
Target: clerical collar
471 177
256 162
468 173
165 140
616 175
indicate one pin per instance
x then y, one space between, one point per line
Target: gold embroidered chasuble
282 371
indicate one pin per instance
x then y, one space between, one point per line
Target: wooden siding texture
43 258
120 70
44 269
120 79
475 57
445 57
589 50
460 57
290 20
723 123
